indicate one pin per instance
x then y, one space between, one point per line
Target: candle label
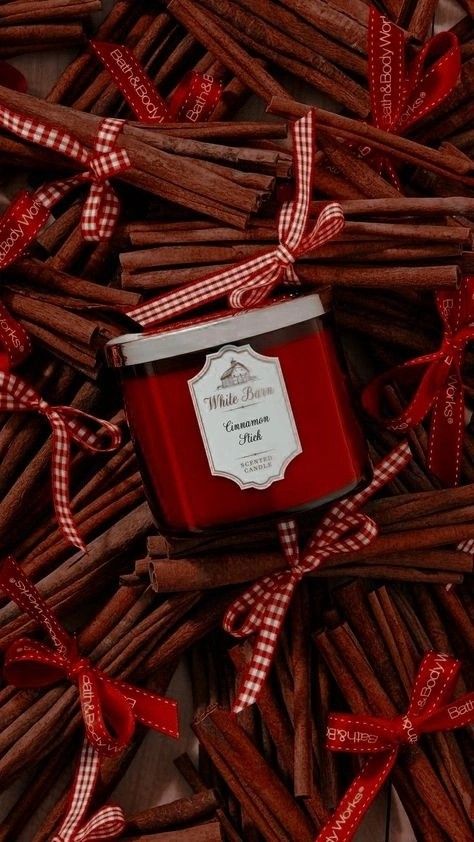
245 417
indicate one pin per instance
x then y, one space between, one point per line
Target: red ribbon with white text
193 100
429 710
248 283
440 390
404 91
109 707
262 608
15 340
68 424
106 823
29 212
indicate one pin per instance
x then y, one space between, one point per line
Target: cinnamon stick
189 772
300 662
209 832
174 814
271 807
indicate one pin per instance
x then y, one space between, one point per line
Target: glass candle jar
241 417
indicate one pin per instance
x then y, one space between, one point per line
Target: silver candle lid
138 348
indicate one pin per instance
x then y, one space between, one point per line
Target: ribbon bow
264 605
248 283
109 707
403 92
28 212
102 206
107 823
440 389
429 710
67 424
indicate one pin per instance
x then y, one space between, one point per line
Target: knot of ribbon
440 390
102 206
68 424
106 823
110 707
429 710
250 282
262 608
29 212
404 91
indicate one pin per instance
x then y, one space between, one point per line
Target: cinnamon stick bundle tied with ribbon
109 707
402 92
430 710
248 283
29 212
68 423
440 390
262 608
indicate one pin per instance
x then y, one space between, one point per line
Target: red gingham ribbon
68 424
109 706
102 206
429 710
261 609
106 823
248 283
440 390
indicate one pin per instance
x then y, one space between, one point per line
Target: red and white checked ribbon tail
67 424
102 206
249 282
107 823
262 608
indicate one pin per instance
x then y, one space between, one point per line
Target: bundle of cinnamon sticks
64 290
270 764
164 48
28 26
370 252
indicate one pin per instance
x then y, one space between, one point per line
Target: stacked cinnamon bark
29 27
197 198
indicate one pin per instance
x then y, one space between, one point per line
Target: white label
245 416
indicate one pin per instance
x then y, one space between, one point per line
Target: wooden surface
152 778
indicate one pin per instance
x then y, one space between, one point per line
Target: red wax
185 496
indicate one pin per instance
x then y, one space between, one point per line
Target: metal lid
138 348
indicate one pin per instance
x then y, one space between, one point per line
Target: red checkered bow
264 605
107 823
102 206
67 424
248 283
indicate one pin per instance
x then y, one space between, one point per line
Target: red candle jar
241 417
